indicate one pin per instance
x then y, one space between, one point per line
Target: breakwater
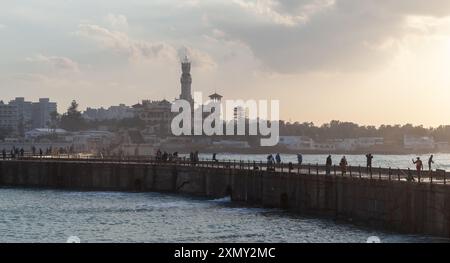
382 199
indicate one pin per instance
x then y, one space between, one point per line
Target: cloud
121 43
188 3
59 63
285 36
295 36
2 26
280 13
437 8
117 21
137 50
198 58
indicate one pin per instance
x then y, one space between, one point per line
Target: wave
222 200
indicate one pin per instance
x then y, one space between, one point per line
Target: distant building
412 142
324 147
20 115
349 144
33 114
215 97
296 142
112 113
24 112
228 144
8 117
39 132
368 142
92 141
41 113
157 115
240 113
352 144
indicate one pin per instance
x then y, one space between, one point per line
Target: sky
368 61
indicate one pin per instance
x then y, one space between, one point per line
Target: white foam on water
226 199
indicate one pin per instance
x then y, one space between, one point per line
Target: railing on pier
351 172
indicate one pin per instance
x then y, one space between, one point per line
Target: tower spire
186 80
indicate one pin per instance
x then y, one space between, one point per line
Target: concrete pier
394 205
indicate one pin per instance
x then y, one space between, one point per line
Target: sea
55 216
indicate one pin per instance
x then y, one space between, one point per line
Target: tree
341 130
72 119
55 119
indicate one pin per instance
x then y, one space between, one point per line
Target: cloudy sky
367 61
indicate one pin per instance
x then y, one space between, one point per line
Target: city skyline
105 111
373 63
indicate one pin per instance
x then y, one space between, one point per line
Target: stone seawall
416 208
391 205
208 182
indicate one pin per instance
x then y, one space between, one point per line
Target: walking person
214 157
165 156
430 163
270 159
419 165
329 163
369 158
300 158
196 157
4 154
343 164
158 155
278 158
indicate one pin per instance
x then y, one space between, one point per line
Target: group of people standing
16 152
419 164
272 160
193 157
343 164
13 154
165 156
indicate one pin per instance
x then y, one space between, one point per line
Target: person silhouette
278 158
343 164
329 163
419 165
369 158
300 158
430 163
